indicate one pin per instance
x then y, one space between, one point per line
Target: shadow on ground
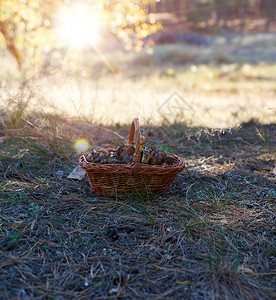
210 236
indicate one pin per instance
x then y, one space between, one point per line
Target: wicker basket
131 179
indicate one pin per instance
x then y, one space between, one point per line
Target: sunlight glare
81 145
79 25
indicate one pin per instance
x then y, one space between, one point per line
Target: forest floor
211 236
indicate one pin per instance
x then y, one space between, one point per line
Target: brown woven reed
132 179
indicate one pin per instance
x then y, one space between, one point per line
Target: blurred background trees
28 27
82 56
219 13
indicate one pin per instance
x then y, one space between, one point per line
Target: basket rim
96 167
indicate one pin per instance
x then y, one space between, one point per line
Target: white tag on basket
78 173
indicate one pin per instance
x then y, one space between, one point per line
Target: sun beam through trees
31 29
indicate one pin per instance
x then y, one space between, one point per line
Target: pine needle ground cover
211 236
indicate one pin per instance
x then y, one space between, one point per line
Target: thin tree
268 12
242 15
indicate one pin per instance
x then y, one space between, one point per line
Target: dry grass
209 237
220 93
212 98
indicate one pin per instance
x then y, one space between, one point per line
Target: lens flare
81 145
79 25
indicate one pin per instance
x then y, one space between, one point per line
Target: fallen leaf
245 270
114 290
2 139
59 173
33 225
16 224
78 173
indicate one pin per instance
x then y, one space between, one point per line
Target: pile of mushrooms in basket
132 166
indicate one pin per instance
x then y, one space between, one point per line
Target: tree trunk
242 15
207 22
268 15
10 43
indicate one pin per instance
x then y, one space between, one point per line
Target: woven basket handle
135 130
